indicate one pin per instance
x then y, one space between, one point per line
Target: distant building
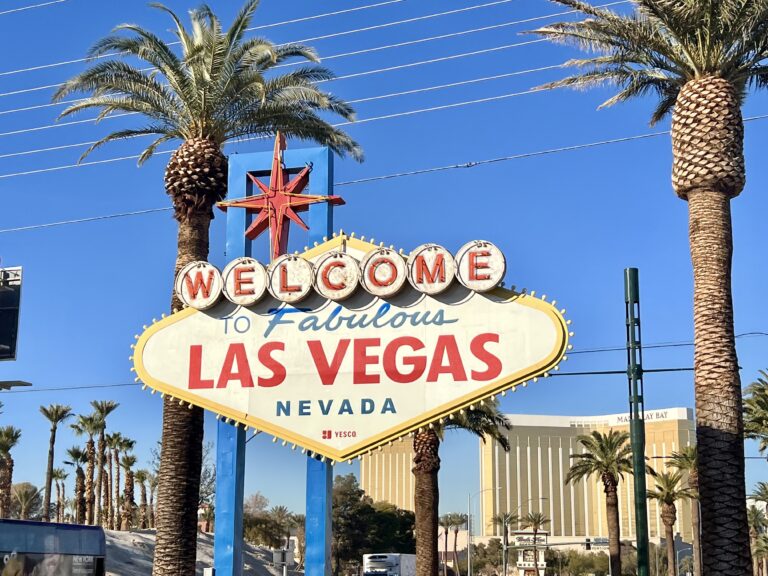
530 477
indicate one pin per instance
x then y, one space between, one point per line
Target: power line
355 101
471 164
22 8
345 77
311 39
60 388
375 49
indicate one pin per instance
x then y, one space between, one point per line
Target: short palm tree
219 88
113 441
9 438
458 520
59 476
698 57
607 456
27 499
55 414
129 502
757 525
536 522
504 521
102 408
77 457
123 445
89 425
668 491
444 522
756 411
483 420
687 461
141 479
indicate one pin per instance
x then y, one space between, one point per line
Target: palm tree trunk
695 525
49 476
426 464
90 500
128 502
110 501
6 481
445 554
455 552
152 508
708 170
614 529
535 552
181 454
58 501
117 504
101 450
80 496
143 521
670 536
63 501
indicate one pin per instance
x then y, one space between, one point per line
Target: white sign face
340 378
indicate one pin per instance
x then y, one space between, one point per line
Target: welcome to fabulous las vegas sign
349 345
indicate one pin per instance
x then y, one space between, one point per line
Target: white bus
391 564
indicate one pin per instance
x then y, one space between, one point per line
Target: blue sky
568 222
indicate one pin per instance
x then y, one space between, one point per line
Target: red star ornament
279 203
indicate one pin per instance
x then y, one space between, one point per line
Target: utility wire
471 164
355 101
345 77
311 39
375 49
23 8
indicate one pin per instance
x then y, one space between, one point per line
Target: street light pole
469 526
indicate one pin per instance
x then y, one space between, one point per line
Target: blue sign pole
230 443
319 474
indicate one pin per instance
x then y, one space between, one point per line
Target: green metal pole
637 414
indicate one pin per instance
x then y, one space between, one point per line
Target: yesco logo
478 265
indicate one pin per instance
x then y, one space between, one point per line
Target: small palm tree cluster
452 523
99 497
756 411
608 456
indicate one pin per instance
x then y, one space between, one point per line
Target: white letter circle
336 275
431 268
480 265
245 281
290 278
199 285
383 272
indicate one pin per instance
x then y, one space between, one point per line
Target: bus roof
50 538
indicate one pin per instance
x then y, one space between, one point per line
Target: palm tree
217 90
668 491
457 521
756 411
536 521
122 445
607 456
687 461
698 57
112 441
152 485
129 503
300 520
89 425
141 479
757 524
505 520
483 420
444 522
59 475
77 457
102 408
9 437
55 414
27 499
282 518
761 552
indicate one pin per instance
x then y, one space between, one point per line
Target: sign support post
230 440
637 414
318 529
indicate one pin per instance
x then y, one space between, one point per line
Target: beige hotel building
530 477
